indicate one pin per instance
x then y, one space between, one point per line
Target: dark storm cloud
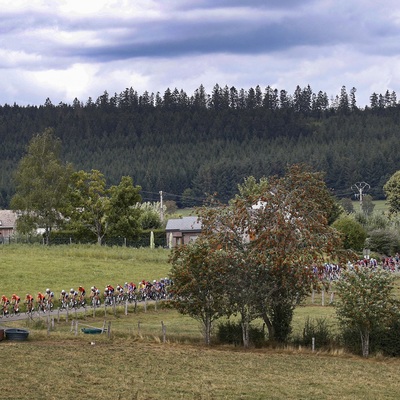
255 31
168 43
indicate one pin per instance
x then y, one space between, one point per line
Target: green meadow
136 359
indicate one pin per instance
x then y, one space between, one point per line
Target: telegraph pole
161 207
359 188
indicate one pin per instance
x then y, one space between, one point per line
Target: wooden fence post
164 331
109 329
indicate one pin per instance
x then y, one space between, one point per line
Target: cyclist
15 303
73 298
107 296
5 302
97 297
92 295
120 294
29 303
131 291
82 293
49 299
41 301
63 299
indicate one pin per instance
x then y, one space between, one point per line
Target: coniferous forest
191 145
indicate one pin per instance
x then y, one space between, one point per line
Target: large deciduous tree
89 203
273 232
103 211
124 217
41 185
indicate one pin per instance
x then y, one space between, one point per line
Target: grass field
381 206
29 269
133 362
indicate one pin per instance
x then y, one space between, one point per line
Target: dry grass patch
135 369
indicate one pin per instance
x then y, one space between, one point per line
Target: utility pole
161 207
359 188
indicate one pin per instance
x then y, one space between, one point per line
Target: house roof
7 219
184 224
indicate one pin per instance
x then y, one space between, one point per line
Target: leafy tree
367 205
41 185
150 215
199 283
89 203
366 302
272 232
347 205
123 218
353 233
392 191
170 206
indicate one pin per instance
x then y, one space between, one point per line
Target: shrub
384 241
231 333
317 329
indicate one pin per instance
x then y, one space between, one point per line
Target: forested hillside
189 145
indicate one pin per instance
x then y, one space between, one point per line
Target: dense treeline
187 146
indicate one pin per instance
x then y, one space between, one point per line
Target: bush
382 339
231 333
384 241
317 329
352 232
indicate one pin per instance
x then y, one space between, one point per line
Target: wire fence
142 241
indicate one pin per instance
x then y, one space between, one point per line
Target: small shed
8 219
182 230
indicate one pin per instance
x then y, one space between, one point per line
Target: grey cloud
176 36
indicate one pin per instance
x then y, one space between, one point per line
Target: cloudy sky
66 49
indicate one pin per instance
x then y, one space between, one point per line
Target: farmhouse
8 220
182 230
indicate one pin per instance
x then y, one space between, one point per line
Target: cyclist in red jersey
29 303
40 300
15 303
4 304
